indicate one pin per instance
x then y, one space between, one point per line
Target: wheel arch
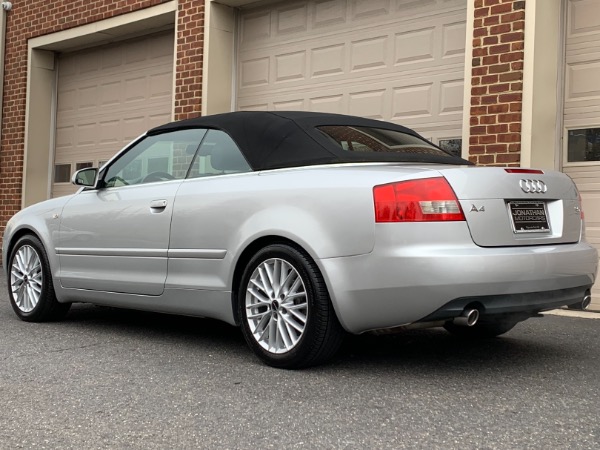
18 234
247 254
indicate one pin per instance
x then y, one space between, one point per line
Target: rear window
378 140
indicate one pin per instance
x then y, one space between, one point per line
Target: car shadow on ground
417 350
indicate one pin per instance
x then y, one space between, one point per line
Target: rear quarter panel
326 210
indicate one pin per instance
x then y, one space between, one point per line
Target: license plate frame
528 216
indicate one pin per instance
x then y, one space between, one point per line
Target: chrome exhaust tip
585 303
468 318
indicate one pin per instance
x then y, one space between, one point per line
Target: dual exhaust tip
470 316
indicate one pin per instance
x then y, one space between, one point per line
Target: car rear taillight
425 200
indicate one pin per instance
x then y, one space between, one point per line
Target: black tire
322 334
47 307
483 329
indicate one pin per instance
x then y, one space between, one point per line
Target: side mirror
85 177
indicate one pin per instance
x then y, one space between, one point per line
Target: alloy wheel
26 278
276 305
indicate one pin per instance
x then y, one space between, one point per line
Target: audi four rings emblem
533 186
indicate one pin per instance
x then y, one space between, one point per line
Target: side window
218 155
162 157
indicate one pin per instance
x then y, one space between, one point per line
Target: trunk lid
512 209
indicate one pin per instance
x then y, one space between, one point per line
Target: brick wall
33 18
190 45
497 82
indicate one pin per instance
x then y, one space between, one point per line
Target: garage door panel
392 60
582 109
582 18
108 96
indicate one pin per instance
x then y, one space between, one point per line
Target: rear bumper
406 280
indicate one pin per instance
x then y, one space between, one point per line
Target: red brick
512 97
515 147
497 109
495 129
508 118
489 99
490 60
500 9
518 25
496 148
491 20
510 76
479 32
477 130
480 51
481 12
501 29
515 127
497 88
488 139
509 137
499 68
513 37
513 56
516 86
490 40
513 17
489 79
488 120
485 159
516 107
479 110
508 158
498 49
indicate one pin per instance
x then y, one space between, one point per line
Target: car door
115 237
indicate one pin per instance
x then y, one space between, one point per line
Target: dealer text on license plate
528 216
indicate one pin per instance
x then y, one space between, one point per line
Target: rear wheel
287 317
30 286
482 329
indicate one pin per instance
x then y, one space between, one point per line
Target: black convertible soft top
271 140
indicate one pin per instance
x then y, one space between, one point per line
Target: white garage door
107 96
399 60
581 159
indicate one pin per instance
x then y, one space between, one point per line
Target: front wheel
287 317
30 286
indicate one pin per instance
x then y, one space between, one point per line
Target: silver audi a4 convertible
300 227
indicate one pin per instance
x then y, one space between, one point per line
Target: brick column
190 53
497 82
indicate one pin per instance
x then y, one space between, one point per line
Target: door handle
158 204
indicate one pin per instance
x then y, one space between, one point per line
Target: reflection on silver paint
197 253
